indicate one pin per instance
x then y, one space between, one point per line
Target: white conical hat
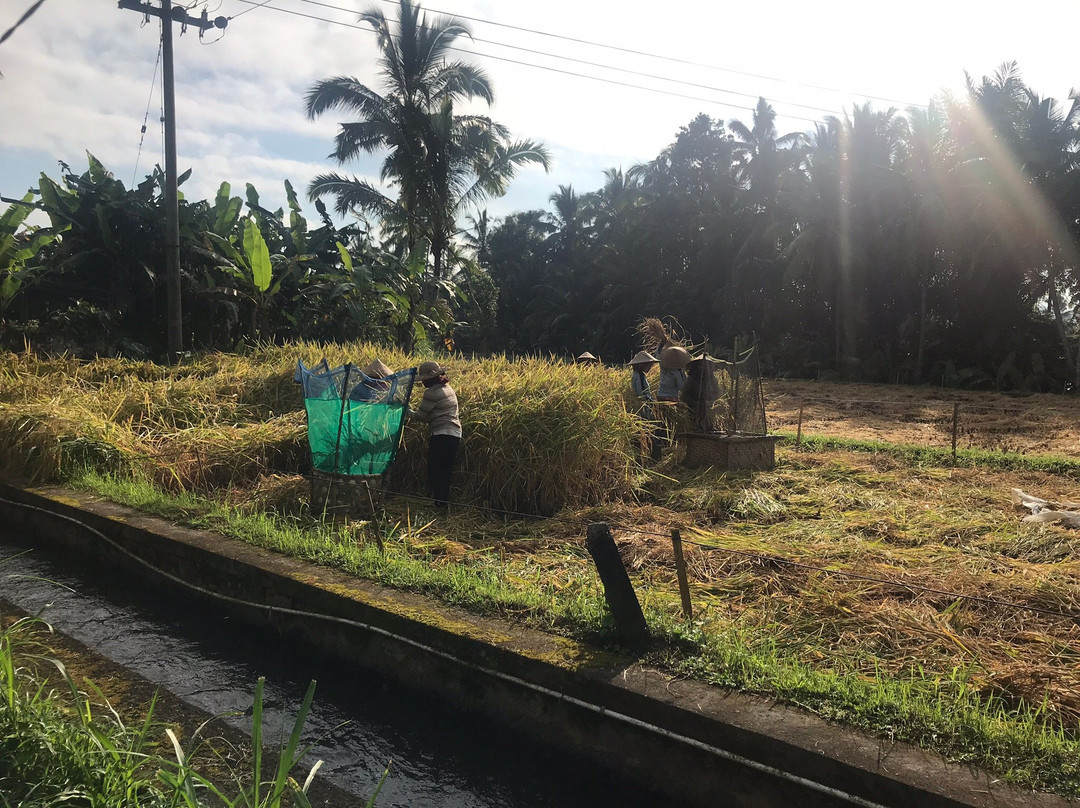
643 358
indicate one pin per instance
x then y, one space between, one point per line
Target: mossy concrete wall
695 744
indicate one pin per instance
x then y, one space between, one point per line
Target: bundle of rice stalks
286 494
220 456
653 334
539 435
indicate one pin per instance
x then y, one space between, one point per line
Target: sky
79 76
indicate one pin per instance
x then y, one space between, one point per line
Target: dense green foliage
92 281
937 244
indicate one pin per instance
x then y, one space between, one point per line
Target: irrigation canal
359 722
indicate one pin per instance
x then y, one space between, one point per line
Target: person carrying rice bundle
439 410
673 357
673 361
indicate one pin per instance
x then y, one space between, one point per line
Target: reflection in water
359 721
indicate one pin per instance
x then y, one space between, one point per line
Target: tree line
936 244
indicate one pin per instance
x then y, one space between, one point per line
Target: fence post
955 423
618 591
680 571
798 432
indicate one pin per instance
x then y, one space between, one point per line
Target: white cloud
77 76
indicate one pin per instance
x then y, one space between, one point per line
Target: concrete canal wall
701 745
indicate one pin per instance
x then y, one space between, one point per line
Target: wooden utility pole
168 15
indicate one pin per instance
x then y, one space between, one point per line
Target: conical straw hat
643 358
377 370
585 356
674 356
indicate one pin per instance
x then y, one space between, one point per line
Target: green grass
62 745
941 456
1025 744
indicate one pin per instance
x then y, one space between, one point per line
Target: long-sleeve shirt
439 409
671 382
640 385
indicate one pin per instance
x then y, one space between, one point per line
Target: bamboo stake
955 424
798 432
680 571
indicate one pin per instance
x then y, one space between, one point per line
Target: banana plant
18 252
258 276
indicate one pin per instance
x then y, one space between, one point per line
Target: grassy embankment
60 744
211 443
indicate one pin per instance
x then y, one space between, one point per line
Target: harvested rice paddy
995 681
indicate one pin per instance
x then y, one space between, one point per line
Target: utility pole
168 15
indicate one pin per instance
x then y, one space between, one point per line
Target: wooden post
618 591
680 571
798 432
955 424
737 372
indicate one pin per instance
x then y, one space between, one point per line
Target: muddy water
359 722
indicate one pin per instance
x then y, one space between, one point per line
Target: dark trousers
442 451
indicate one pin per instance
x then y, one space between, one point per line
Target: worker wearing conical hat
673 360
641 364
372 385
586 358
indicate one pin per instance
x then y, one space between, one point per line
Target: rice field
979 681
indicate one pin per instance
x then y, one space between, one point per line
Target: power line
246 10
26 15
660 56
542 67
146 117
606 66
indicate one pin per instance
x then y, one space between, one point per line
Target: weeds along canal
359 722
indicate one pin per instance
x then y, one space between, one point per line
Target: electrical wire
146 117
253 7
662 57
608 67
574 74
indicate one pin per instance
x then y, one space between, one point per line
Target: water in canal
441 757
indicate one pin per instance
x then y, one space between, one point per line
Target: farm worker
377 370
439 410
700 392
641 364
672 376
586 358
373 385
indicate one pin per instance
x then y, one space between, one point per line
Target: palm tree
439 162
763 157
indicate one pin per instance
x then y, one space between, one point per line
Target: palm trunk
1055 304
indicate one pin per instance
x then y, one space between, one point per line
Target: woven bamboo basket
732 452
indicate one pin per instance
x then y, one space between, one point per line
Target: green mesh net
354 421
